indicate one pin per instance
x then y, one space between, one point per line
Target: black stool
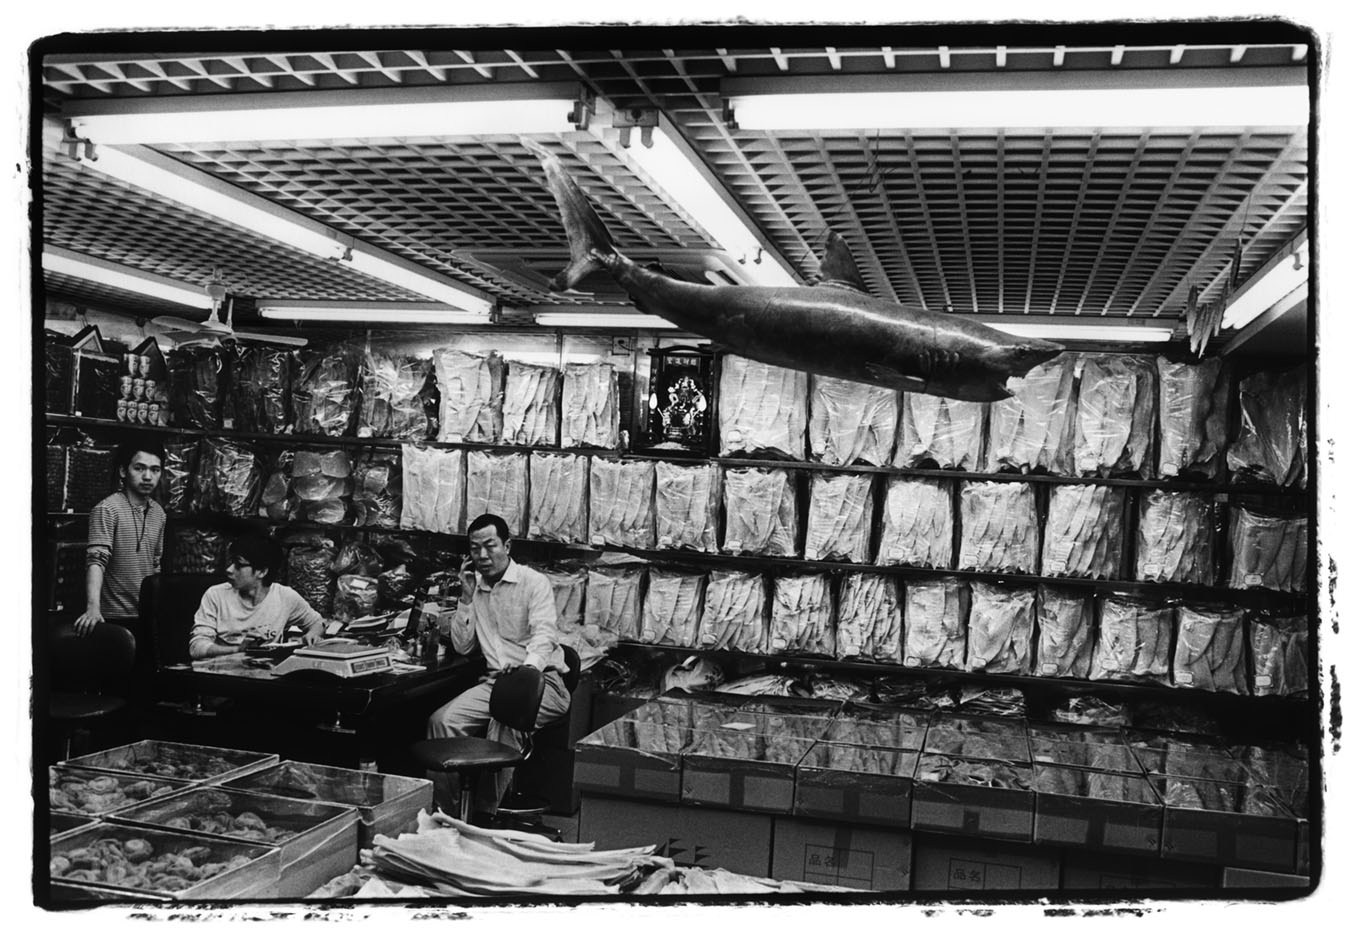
81 666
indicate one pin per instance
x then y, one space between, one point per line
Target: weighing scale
340 658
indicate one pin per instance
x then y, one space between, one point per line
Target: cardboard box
1088 871
1225 837
945 864
1085 821
841 853
606 763
954 807
856 784
714 774
1248 878
739 842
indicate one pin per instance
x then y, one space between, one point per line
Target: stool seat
76 707
465 753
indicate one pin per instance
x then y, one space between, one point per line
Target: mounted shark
833 328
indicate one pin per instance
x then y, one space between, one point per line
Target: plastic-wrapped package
309 571
229 480
869 620
496 484
999 528
197 550
800 616
1175 538
1271 447
1065 621
377 487
326 392
275 502
1268 551
355 557
940 432
89 475
471 396
1194 414
396 587
840 517
558 497
394 397
354 597
1133 641
1031 431
917 523
762 409
671 608
570 594
180 463
259 400
1210 650
1084 533
321 485
935 624
197 378
530 406
613 600
686 505
1000 629
734 616
434 489
621 497
1115 415
762 512
1280 651
56 476
851 422
591 406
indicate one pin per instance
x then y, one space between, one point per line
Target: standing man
507 611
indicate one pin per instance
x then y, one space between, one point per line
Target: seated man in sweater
250 604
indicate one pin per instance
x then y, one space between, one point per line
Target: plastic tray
198 764
63 824
130 786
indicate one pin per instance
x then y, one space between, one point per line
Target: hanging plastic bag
326 392
558 497
1000 629
870 618
1115 415
229 480
1175 538
935 624
1065 622
393 397
434 489
686 506
801 616
940 432
621 497
1268 551
1084 532
1210 650
917 523
762 512
180 464
734 617
89 475
852 422
999 528
762 409
259 400
1194 414
1280 650
197 550
378 483
197 381
495 484
672 608
591 406
613 601
1133 641
471 389
840 517
1032 430
355 597
530 406
1271 447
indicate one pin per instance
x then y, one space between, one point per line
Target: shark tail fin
588 240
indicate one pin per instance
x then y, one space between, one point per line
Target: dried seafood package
325 392
671 608
1133 641
1175 538
471 389
762 409
1000 629
321 485
977 773
935 633
1031 431
56 477
180 464
1268 551
591 406
869 620
851 422
940 432
1115 415
89 475
354 597
1280 650
395 397
840 517
999 528
734 616
309 572
558 497
762 512
801 620
434 489
377 489
1210 650
613 600
197 382
1271 447
530 406
917 523
686 506
496 483
276 502
1084 532
229 479
570 594
621 495
1194 414
259 400
1065 621
197 550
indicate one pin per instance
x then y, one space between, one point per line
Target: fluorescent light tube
1125 333
408 276
599 319
65 262
373 313
1289 274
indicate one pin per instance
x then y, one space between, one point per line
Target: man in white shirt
507 611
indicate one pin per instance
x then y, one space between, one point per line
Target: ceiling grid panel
1107 243
1073 234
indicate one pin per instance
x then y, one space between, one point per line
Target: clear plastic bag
89 475
229 479
762 409
1271 447
326 392
355 597
394 397
1115 415
377 482
434 489
999 528
1000 629
530 406
1194 413
356 558
869 623
672 608
1175 538
613 600
260 394
852 422
840 517
935 624
472 389
917 523
1133 641
686 506
734 616
1268 551
621 496
309 572
180 463
495 483
940 432
1065 621
56 477
1210 654
197 378
801 617
570 594
1032 431
558 497
1084 531
762 512
197 550
591 406
1280 650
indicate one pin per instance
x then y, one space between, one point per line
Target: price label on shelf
1262 680
1049 668
732 546
1184 677
1151 569
1253 579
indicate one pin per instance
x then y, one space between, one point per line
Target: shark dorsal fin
838 268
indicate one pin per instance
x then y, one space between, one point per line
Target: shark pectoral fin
887 375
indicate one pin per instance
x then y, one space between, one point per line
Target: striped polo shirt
128 542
